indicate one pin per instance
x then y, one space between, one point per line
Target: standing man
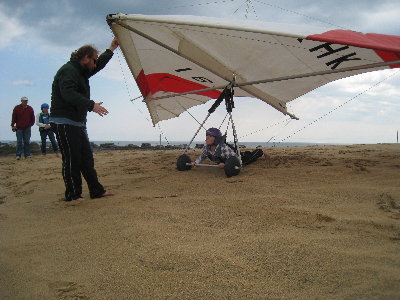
42 120
22 120
70 102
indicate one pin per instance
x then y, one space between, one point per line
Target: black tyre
182 161
232 166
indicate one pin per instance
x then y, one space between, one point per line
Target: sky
37 38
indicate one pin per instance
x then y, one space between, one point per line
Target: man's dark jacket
70 96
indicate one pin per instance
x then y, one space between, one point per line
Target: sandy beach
315 222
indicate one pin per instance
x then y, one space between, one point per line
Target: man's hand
14 128
47 126
100 110
221 165
114 44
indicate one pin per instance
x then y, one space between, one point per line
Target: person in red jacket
22 120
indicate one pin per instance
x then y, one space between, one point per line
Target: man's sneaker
18 157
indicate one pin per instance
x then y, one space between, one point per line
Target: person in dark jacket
70 102
22 120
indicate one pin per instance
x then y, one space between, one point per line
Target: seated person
215 149
218 151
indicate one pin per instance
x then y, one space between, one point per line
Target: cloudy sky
37 37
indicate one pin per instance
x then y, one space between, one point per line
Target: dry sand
309 223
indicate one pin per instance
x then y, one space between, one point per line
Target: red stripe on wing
164 82
389 56
386 46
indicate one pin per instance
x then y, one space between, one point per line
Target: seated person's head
213 136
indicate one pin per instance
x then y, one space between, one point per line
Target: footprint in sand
389 204
68 290
22 192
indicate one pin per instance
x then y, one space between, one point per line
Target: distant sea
165 143
247 144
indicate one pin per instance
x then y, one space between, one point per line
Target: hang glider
182 61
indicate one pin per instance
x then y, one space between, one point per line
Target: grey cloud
22 82
68 23
63 23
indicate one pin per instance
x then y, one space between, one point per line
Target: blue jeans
23 136
43 135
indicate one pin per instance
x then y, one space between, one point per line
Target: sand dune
305 223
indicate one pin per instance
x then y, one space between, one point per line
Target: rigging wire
249 3
127 88
341 105
133 99
186 110
227 125
247 8
123 76
288 121
196 4
162 133
300 14
138 97
253 8
222 123
237 9
270 126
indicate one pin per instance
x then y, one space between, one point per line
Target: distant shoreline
9 147
175 143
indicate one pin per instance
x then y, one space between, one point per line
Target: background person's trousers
23 142
43 135
77 159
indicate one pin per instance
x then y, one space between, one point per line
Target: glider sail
182 61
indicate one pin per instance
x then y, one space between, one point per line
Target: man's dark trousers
77 157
